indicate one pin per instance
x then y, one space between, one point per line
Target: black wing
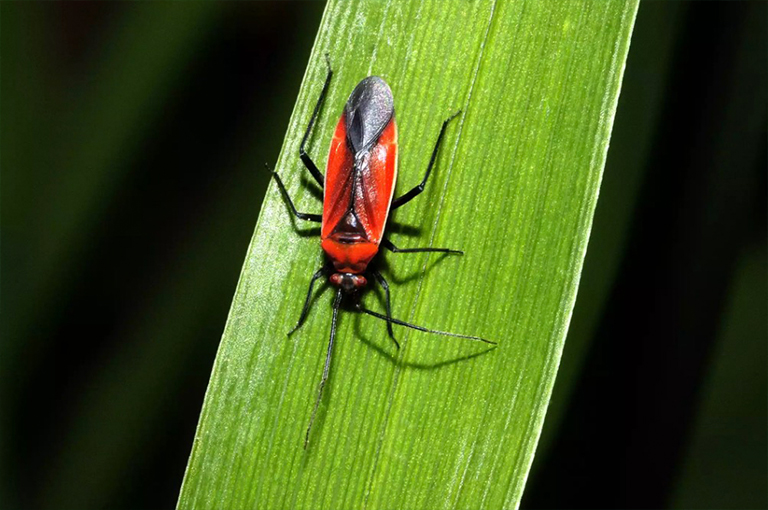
369 109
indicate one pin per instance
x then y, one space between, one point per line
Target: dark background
132 138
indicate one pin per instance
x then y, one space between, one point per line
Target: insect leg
317 218
336 304
420 328
386 243
302 153
404 199
385 286
304 311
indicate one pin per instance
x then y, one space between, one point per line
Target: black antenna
420 328
336 304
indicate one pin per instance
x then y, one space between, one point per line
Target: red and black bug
358 191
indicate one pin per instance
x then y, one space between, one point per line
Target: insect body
358 191
359 182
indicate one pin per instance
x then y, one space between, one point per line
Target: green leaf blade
443 422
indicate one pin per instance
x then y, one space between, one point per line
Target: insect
358 191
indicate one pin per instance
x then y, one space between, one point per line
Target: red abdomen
359 183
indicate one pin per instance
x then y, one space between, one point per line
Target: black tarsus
404 199
317 218
336 304
420 328
316 173
304 311
385 286
386 243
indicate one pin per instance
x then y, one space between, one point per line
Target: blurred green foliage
724 462
131 141
130 137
